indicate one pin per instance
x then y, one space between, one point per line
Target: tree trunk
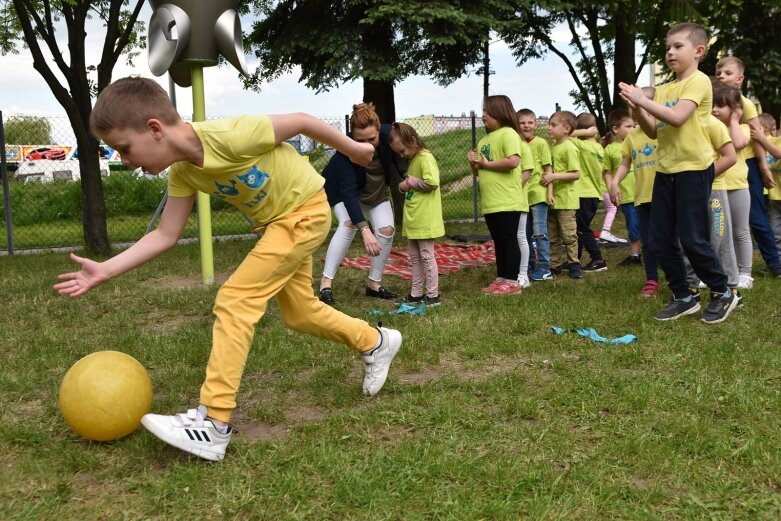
625 22
93 208
380 93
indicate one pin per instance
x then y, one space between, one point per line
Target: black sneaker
740 297
631 260
720 307
574 271
695 293
382 293
595 266
556 270
326 296
678 308
409 299
431 302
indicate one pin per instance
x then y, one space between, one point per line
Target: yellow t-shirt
749 113
501 191
687 147
423 210
592 164
718 134
565 159
243 165
641 149
736 176
535 192
775 168
612 161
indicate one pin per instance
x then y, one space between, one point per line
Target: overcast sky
538 85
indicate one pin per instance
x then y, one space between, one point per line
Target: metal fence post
474 177
9 225
346 124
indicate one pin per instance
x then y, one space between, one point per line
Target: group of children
661 175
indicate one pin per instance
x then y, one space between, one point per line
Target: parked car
46 171
55 154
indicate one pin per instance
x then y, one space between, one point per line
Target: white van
47 170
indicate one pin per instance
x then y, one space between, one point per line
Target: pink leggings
610 212
425 274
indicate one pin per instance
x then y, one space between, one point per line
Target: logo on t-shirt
254 178
486 151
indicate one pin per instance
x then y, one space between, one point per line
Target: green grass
486 414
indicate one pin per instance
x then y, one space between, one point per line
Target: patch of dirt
391 435
187 282
169 325
262 431
304 414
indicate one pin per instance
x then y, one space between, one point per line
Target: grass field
486 414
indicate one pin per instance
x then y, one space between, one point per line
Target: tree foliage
27 130
44 26
381 43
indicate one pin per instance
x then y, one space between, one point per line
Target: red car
46 153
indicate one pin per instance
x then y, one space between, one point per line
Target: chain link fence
41 204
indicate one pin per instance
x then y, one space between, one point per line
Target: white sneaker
523 281
609 237
376 362
191 432
702 285
745 281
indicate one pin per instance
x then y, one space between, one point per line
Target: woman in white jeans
357 195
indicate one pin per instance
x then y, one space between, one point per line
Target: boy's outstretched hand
77 283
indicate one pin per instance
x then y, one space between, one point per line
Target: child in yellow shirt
772 143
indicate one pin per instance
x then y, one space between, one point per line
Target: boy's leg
692 196
282 257
663 235
539 218
583 217
554 233
775 222
610 212
416 265
758 220
649 258
569 233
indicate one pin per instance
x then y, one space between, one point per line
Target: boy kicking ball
246 162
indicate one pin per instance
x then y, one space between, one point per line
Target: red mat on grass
450 257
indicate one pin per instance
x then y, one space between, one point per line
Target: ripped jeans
540 253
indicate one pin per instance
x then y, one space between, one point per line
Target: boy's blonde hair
616 117
734 60
695 32
526 112
566 118
364 116
767 120
129 103
585 120
407 135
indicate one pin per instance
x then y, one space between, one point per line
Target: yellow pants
279 265
562 229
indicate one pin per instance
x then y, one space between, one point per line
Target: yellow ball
105 394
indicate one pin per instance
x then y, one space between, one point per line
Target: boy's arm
727 158
760 138
551 198
287 126
759 151
675 116
585 132
174 218
525 175
614 186
739 139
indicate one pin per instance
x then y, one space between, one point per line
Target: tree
745 29
381 43
39 23
27 130
601 33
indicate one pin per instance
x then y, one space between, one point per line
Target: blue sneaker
540 274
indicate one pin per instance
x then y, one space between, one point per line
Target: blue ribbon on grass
404 309
592 334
